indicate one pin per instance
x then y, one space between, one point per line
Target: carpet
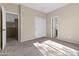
51 48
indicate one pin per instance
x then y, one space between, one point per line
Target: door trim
57 24
1 28
2 7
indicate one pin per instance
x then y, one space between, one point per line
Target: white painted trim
58 25
3 28
51 27
52 20
12 12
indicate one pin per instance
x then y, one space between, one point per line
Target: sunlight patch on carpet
50 48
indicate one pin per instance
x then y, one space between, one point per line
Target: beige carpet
14 48
51 48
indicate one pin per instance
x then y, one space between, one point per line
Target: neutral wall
68 23
28 22
11 7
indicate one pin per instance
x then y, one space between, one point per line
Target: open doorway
54 27
9 20
11 28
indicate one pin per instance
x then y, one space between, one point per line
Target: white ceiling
45 7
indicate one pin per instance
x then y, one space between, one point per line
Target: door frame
3 44
1 27
19 40
56 27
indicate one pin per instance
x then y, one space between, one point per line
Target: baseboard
32 39
68 41
64 40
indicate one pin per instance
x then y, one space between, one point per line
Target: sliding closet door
40 27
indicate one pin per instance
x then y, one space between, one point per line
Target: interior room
11 27
40 29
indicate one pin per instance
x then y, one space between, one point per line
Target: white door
54 26
40 27
3 28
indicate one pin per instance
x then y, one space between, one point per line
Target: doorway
6 19
54 27
11 28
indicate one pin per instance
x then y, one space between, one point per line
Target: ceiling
45 7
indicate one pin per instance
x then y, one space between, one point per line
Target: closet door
40 27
